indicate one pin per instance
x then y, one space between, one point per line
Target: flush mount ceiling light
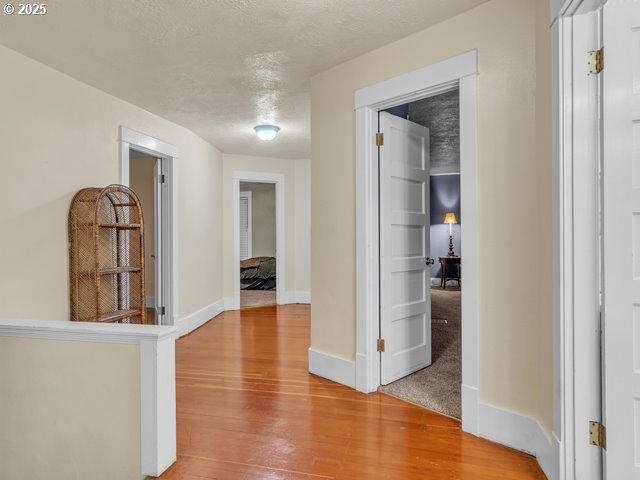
266 132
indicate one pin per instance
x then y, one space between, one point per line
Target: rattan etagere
106 256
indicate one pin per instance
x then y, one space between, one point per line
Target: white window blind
245 225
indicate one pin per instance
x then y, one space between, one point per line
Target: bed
258 273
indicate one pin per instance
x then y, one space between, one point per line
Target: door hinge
161 179
596 61
160 310
597 434
381 345
379 139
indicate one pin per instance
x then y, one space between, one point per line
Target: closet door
245 225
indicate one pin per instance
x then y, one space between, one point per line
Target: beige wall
302 222
297 201
141 172
514 182
57 421
263 218
59 135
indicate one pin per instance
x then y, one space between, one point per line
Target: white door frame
259 177
460 71
248 196
576 247
169 155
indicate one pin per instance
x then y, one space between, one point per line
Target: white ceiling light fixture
266 132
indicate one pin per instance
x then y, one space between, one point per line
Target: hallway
248 409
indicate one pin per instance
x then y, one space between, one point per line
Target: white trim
260 177
461 72
573 186
169 155
569 8
249 197
297 297
229 304
157 406
333 368
431 80
194 320
520 432
84 331
469 405
157 375
147 144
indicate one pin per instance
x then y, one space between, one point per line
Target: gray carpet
437 387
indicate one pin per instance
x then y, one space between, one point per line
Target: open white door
405 311
158 183
621 185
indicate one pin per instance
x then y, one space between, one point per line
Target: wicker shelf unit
106 256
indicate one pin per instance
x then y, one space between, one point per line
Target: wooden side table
444 261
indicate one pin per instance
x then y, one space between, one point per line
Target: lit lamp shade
450 219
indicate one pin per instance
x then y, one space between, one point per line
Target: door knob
429 261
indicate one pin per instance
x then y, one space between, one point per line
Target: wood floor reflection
248 409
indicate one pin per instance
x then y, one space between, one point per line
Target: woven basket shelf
106 256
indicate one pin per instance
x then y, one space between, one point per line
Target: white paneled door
621 187
405 313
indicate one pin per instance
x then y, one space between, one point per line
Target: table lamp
450 219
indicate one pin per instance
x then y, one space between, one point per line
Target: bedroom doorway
460 73
257 243
259 246
425 134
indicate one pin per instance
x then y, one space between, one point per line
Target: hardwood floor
248 409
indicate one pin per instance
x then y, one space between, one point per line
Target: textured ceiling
218 67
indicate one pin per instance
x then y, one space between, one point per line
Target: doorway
150 164
458 72
257 244
143 180
268 189
435 383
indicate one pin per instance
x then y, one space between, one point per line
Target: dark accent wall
444 197
401 111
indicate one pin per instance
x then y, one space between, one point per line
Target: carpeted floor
257 298
437 387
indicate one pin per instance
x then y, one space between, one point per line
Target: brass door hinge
596 61
379 139
597 434
380 345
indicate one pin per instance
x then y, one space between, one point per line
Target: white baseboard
470 409
333 368
297 297
189 323
151 301
229 304
361 375
520 432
